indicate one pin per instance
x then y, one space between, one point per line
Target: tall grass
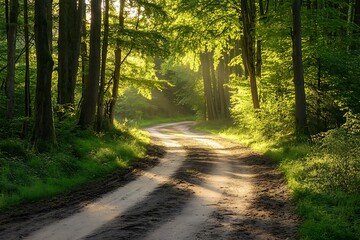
81 156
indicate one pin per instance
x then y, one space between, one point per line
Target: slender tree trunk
214 86
100 109
27 98
27 61
357 12
84 55
318 100
11 56
44 133
226 82
88 105
248 12
115 90
258 59
205 64
7 15
223 75
300 100
70 24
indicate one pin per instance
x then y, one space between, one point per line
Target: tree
71 14
43 133
248 13
209 98
118 51
11 56
100 108
27 98
300 101
88 105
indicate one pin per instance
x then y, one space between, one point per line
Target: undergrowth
323 175
80 156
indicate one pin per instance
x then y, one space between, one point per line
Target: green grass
327 200
81 156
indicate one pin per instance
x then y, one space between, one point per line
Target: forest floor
200 187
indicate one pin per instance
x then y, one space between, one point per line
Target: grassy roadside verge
80 157
323 177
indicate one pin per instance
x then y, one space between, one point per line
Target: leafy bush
334 164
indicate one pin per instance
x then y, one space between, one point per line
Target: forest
79 78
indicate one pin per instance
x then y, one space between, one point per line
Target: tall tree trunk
248 12
223 79
27 98
214 86
43 133
11 56
226 82
70 24
100 109
300 100
115 89
258 59
7 15
84 55
88 105
357 12
205 64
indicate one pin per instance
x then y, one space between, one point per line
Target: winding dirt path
203 187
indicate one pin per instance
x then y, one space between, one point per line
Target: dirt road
203 187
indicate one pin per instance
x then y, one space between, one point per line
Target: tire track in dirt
215 189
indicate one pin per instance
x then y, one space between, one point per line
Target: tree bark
11 56
43 133
88 105
70 24
258 59
205 64
100 109
214 87
248 13
300 100
27 61
27 97
223 75
84 55
118 51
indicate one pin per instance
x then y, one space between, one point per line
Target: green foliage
274 119
81 156
334 164
179 93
